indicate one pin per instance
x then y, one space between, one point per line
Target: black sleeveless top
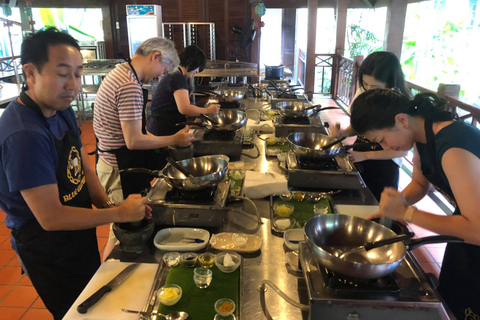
460 274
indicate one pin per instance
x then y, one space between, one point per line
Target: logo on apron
470 315
74 167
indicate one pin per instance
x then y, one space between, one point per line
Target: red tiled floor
6 256
103 231
7 313
10 275
101 243
14 262
25 281
38 304
20 297
4 231
37 314
5 245
4 291
2 216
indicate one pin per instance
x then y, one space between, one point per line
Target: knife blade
117 280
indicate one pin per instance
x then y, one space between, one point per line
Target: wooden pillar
255 48
311 34
395 25
341 18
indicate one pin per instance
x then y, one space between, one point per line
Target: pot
274 72
311 145
328 236
206 171
224 120
299 109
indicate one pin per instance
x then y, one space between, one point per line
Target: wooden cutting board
131 294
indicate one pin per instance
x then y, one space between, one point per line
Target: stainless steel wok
224 95
206 171
310 145
328 236
298 109
224 120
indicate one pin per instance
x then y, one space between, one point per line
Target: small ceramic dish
227 305
284 223
220 261
293 237
283 209
169 294
272 151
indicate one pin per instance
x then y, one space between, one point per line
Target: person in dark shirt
171 103
446 155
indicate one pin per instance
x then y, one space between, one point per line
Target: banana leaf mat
303 209
199 303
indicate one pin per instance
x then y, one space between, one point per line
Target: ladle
360 250
178 315
179 168
329 145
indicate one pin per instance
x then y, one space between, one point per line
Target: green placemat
303 209
283 147
199 303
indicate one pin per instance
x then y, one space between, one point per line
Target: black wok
315 145
328 236
298 109
207 171
224 120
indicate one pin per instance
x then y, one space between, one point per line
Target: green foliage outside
362 42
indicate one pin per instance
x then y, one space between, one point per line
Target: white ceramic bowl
219 302
293 237
170 302
237 259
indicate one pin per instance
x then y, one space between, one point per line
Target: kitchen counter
270 262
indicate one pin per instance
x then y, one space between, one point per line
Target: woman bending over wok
447 155
171 103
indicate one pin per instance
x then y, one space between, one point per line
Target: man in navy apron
47 187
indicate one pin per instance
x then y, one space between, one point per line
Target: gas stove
404 294
311 174
209 142
282 97
188 208
286 125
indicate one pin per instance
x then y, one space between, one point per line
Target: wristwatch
409 213
108 204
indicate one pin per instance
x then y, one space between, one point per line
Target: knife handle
83 307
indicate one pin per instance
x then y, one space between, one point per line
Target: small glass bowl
299 196
283 209
189 259
272 151
284 223
206 259
219 302
236 174
286 196
320 208
237 259
271 141
171 259
315 196
169 302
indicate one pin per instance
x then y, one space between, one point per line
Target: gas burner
204 195
286 96
229 104
235 85
317 164
340 283
219 135
297 120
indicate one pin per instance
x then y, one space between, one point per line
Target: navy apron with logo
60 263
377 174
148 159
460 274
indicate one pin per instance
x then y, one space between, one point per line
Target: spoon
179 168
367 246
178 315
332 143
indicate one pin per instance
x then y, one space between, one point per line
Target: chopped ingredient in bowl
225 307
228 261
283 210
237 175
169 294
283 223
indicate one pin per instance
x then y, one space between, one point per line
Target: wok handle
326 108
380 243
179 167
190 123
350 146
327 146
205 117
415 243
154 173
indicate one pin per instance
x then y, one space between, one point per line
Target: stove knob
326 125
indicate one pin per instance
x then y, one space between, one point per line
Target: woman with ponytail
446 155
171 103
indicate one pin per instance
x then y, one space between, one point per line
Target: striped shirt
119 98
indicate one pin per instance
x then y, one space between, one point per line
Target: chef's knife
83 307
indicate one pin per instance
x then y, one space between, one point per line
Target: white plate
293 235
172 239
228 241
356 211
